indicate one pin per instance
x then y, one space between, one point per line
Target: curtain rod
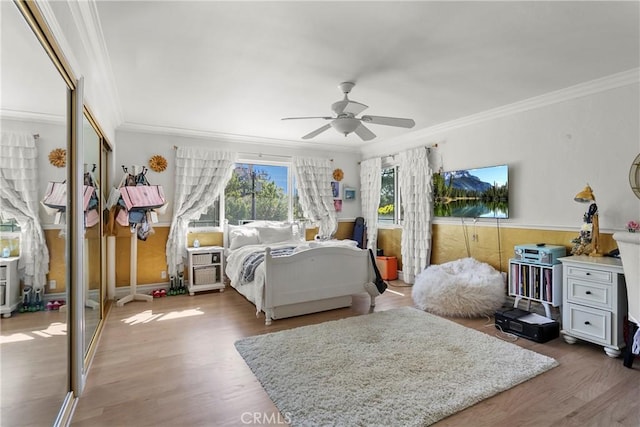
278 156
426 147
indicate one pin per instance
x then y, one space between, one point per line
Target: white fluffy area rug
401 367
460 288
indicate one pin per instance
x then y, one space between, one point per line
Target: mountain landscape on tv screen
465 181
472 193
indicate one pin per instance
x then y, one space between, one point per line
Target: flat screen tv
472 193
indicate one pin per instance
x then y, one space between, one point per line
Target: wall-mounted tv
472 193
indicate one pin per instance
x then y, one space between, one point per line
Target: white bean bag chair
461 288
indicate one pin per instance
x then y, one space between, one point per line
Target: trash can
388 266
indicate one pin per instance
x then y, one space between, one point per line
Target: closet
46 354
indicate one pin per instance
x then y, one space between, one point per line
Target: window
9 226
209 219
389 210
256 191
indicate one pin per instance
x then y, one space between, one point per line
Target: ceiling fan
346 121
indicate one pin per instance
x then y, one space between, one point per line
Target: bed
283 275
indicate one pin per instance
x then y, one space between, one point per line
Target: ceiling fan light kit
346 121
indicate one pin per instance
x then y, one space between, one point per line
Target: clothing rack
133 258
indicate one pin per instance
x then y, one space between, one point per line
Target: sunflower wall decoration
338 174
58 157
157 163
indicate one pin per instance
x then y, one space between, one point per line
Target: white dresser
594 301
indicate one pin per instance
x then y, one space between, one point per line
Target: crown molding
603 84
235 138
28 116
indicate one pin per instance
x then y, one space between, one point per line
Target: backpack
381 285
360 232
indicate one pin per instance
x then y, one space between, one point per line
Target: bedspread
253 260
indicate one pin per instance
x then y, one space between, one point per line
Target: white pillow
239 237
275 235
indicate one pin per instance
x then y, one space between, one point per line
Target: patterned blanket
253 260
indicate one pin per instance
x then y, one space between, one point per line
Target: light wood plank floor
172 362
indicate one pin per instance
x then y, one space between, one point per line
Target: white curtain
201 176
370 183
19 200
416 194
313 178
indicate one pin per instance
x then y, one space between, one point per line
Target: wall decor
338 174
157 163
58 157
337 203
335 189
349 193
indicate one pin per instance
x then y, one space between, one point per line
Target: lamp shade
585 196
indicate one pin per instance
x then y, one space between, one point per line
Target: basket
204 275
3 273
200 259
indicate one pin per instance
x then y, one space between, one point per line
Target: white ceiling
238 67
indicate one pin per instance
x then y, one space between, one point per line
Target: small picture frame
337 203
335 189
349 193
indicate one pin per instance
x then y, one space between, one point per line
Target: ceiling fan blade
364 133
349 107
317 132
389 121
355 108
314 117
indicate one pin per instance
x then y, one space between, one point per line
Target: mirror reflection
92 237
34 341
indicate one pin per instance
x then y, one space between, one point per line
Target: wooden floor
172 362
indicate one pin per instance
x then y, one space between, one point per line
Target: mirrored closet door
34 337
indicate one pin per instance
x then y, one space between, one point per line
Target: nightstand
206 269
594 301
9 286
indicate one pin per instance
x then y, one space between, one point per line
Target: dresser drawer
593 294
588 323
590 274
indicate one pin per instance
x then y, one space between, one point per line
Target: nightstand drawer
590 274
590 293
588 323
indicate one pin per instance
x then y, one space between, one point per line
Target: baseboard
140 289
121 291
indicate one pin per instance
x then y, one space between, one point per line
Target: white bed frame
314 280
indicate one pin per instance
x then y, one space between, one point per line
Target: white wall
136 148
552 152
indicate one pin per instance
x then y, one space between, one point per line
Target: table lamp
591 216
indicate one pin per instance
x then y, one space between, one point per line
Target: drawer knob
587 322
588 292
